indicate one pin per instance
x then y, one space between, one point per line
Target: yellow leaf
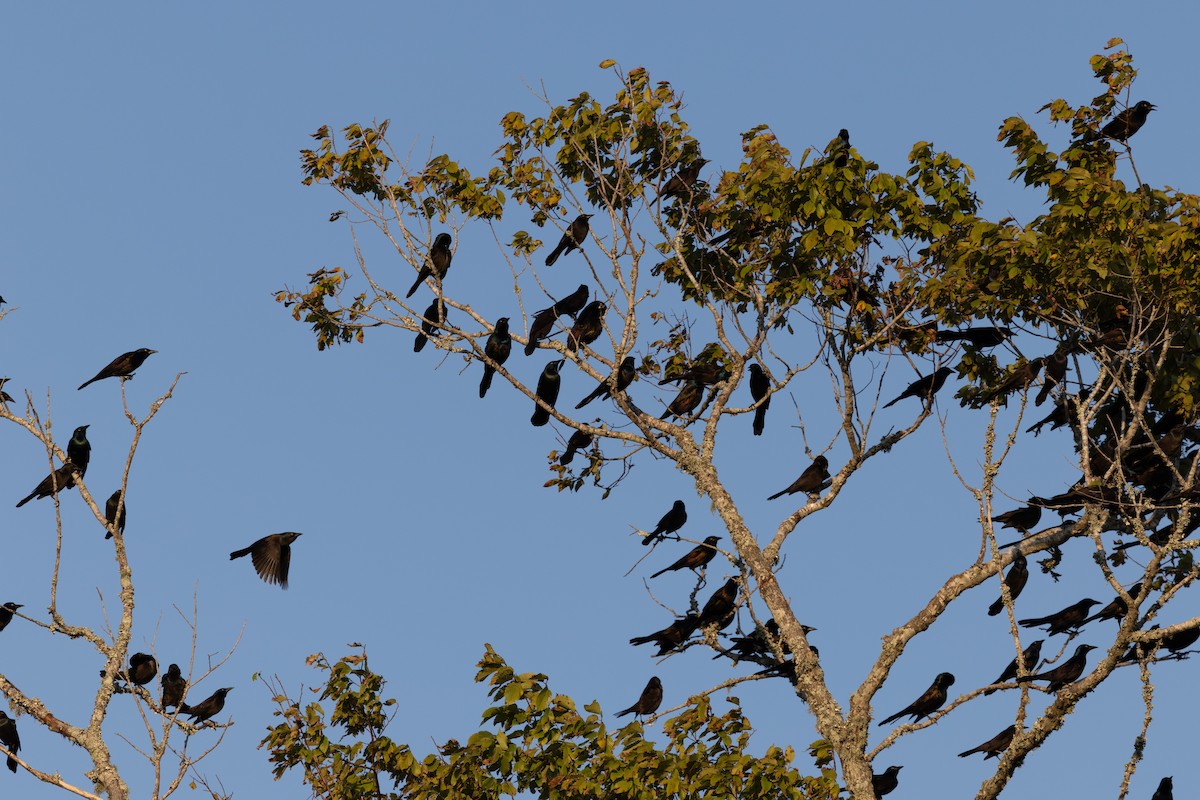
606 63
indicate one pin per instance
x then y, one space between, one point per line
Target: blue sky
152 198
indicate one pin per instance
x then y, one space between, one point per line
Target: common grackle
1117 608
625 375
720 606
5 397
79 450
1066 672
980 337
272 555
1015 580
1128 122
498 349
686 401
437 263
695 558
573 303
1062 621
1165 790
588 326
6 613
681 182
1056 370
539 329
434 316
994 746
207 708
572 238
707 373
1030 655
838 149
924 387
549 382
760 386
671 522
9 738
142 669
122 366
811 481
1020 519
886 782
671 636
578 441
110 513
933 699
649 701
173 686
61 479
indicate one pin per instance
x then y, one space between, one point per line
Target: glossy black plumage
578 441
588 326
1066 672
994 746
573 303
720 605
886 781
79 450
1165 790
540 328
436 263
61 479
1030 655
173 686
695 558
811 481
1020 519
1117 607
434 316
760 387
686 401
681 182
1128 122
572 238
498 349
931 700
207 708
6 613
122 366
671 522
9 738
1062 621
649 701
111 516
271 555
924 387
626 372
549 382
671 636
142 669
1018 575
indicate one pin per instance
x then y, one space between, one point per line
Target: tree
1090 305
123 672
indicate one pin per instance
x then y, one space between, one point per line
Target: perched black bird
1056 370
1173 642
681 182
1066 672
1062 621
686 401
578 441
5 397
1020 519
886 782
498 349
671 636
548 385
208 708
761 642
434 316
838 149
110 513
9 738
437 263
1066 412
61 479
760 385
1015 580
1117 607
1016 379
6 613
539 329
933 699
979 337
925 387
572 238
573 303
142 669
707 373
588 326
671 522
720 606
695 558
994 746
272 555
811 481
122 366
1030 655
649 701
79 450
1165 790
173 686
626 372
1128 122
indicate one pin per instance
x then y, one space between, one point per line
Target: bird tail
760 418
556 252
12 764
660 572
897 400
596 393
485 382
530 347
567 457
239 553
419 344
626 711
27 499
777 495
642 640
996 607
416 285
86 383
892 718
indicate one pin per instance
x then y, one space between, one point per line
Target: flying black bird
686 401
933 699
173 686
1165 790
110 513
1066 672
1030 655
695 558
437 263
838 148
625 375
760 385
1128 122
548 385
811 481
573 303
79 450
671 522
886 782
925 387
272 555
707 373
1062 621
122 366
208 708
539 329
979 337
649 701
6 613
61 479
9 738
1117 607
588 326
1020 519
681 182
994 746
671 636
1056 370
720 606
578 441
434 315
572 238
1015 580
5 397
498 349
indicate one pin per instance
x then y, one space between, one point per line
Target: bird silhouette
9 738
1128 122
434 316
271 555
1165 790
79 450
1030 655
436 263
924 387
933 698
681 182
994 746
1062 621
1066 672
671 636
886 782
549 382
6 613
572 238
173 687
811 481
59 480
588 326
720 606
626 372
498 349
838 149
649 701
122 366
686 401
540 328
578 441
1018 575
671 522
760 386
207 708
695 558
111 514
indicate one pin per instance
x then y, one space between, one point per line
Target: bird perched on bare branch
122 366
540 328
1066 672
578 441
811 481
671 522
572 238
1018 575
994 746
681 182
707 373
112 515
626 372
433 317
720 606
588 326
436 263
1062 621
6 613
498 349
1020 519
173 687
931 700
695 558
9 738
5 397
686 401
760 387
671 636
1030 655
925 387
549 382
59 480
649 701
207 708
271 555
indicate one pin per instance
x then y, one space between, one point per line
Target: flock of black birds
271 556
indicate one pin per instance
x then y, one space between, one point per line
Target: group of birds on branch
271 556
